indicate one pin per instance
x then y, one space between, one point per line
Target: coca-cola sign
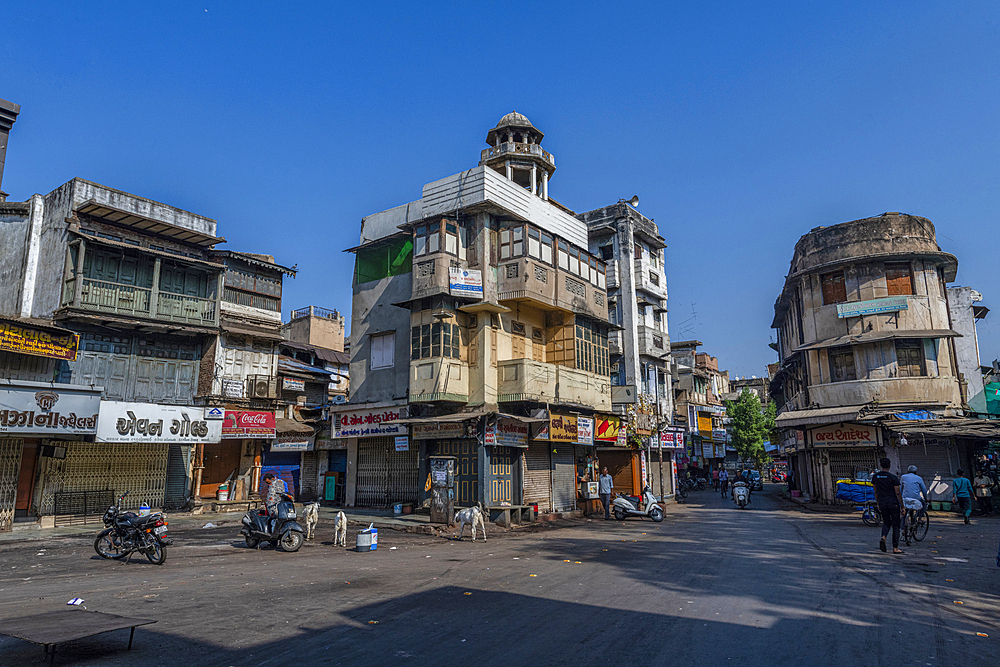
248 424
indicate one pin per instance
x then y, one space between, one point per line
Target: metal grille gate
139 468
308 476
10 468
385 476
844 463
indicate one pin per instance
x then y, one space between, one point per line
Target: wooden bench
508 515
65 625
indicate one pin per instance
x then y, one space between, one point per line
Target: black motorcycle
128 532
280 529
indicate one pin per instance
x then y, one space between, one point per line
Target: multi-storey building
639 342
868 358
480 331
699 386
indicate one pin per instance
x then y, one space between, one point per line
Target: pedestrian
604 485
791 479
889 501
724 481
961 491
715 479
983 494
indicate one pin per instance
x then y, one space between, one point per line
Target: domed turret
516 152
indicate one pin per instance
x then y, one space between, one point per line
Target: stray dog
340 529
310 515
474 516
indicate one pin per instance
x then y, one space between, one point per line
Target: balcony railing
515 148
119 299
526 379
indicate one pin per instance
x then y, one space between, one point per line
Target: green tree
751 424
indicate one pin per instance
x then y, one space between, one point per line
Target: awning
876 336
128 219
442 419
263 334
956 427
159 253
291 427
817 417
289 365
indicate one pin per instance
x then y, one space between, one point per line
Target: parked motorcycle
625 506
280 529
128 532
741 494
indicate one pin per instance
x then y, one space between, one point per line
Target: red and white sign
845 435
367 423
248 424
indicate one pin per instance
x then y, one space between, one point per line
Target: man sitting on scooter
275 488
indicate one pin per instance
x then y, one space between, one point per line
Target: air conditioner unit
262 386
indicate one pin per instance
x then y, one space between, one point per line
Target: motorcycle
280 529
625 506
128 532
741 494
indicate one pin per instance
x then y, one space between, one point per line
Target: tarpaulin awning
947 427
817 417
876 336
291 427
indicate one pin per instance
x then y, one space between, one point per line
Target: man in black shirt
889 503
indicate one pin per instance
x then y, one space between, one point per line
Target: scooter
741 494
625 506
280 529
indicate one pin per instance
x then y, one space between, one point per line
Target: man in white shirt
605 484
912 487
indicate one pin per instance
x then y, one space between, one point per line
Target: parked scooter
625 506
128 532
280 529
741 494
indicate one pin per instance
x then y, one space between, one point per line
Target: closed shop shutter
178 478
846 463
385 476
619 464
537 475
309 475
563 479
654 470
935 463
10 466
500 477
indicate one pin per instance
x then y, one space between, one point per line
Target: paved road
713 585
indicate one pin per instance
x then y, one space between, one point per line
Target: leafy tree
751 424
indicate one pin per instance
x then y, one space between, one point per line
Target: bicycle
915 522
871 514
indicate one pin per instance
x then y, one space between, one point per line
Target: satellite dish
634 201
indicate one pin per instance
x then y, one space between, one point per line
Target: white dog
474 516
310 515
340 529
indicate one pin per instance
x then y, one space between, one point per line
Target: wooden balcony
128 300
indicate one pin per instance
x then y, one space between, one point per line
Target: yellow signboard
705 423
562 428
27 340
607 429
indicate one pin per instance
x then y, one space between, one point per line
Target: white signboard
511 433
49 409
119 421
585 430
402 443
232 389
466 282
293 443
845 435
367 423
859 308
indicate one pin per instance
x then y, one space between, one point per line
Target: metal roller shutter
563 479
936 464
309 475
619 464
385 476
537 476
178 478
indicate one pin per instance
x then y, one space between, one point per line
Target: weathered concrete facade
965 309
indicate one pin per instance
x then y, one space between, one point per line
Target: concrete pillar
510 173
154 295
534 178
31 255
545 185
351 479
627 301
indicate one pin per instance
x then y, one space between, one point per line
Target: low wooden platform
65 625
510 515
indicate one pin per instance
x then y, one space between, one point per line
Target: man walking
983 495
889 501
724 481
604 485
962 493
715 479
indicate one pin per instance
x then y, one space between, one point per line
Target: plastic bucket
367 540
222 494
408 508
936 505
946 506
397 508
796 494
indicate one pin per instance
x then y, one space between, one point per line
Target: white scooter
625 506
741 494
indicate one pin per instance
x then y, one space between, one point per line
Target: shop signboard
704 423
466 282
232 389
720 451
402 443
585 430
540 431
214 413
23 339
248 424
121 421
858 308
510 433
622 438
368 423
672 439
607 429
642 462
562 428
293 443
293 384
49 408
844 435
435 430
719 434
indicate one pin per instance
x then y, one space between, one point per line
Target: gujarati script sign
27 340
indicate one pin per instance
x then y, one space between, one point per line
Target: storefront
38 421
236 459
382 460
841 451
613 453
506 438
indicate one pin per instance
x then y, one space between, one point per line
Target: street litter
210 525
951 559
949 580
466 593
392 548
982 634
372 622
76 601
959 602
532 575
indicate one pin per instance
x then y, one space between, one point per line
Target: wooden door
26 479
221 460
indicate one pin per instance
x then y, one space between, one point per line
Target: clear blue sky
740 125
